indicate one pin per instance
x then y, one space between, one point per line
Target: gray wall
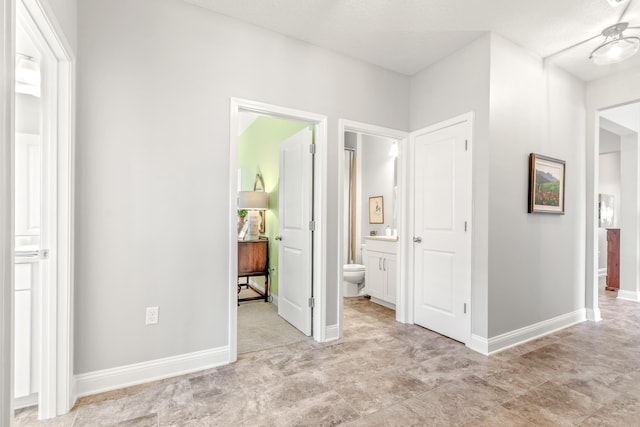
536 261
376 178
456 85
155 78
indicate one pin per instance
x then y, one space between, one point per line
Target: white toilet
353 280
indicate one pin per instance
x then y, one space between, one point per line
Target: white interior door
442 244
295 245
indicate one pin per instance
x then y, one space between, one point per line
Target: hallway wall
155 79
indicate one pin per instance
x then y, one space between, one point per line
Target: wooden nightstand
253 261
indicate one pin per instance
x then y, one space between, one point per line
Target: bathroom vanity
380 277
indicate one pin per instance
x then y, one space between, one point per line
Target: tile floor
387 374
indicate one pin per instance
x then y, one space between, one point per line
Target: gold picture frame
376 210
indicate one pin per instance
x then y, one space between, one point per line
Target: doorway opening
373 187
277 257
617 220
262 322
43 211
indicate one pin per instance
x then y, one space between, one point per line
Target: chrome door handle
384 264
278 238
417 240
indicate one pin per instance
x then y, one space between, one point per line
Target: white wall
376 177
615 90
608 183
456 85
536 261
155 78
66 14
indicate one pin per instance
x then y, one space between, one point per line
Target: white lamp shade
253 200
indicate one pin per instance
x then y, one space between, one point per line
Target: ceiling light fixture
616 47
615 3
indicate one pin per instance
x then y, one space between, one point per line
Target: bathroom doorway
373 188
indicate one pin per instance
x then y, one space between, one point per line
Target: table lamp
253 201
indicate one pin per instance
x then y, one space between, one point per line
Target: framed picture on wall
376 210
546 184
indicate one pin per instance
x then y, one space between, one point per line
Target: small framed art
546 184
376 210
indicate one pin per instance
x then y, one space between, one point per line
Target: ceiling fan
616 46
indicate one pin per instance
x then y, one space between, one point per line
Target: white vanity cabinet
380 276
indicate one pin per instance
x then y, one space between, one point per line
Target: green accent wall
258 152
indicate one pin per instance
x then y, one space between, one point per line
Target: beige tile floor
383 373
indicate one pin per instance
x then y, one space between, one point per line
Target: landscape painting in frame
546 184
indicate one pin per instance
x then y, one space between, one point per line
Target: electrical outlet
152 315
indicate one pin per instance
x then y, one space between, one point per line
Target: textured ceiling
407 36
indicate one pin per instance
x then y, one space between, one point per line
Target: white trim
7 96
319 123
479 344
333 333
537 330
629 295
384 303
153 370
26 401
56 393
602 272
593 314
402 138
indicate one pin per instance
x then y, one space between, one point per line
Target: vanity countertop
383 238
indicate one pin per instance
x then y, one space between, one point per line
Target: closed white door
442 244
295 215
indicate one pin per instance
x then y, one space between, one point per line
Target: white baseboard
153 370
537 330
26 401
479 344
593 314
383 303
274 299
629 295
602 272
332 333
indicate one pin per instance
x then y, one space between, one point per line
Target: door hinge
465 226
466 145
312 302
312 148
465 308
312 225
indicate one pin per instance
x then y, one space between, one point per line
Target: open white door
442 244
295 235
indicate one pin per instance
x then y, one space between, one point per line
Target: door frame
319 262
57 392
408 241
403 301
7 98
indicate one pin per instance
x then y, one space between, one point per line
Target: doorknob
278 237
417 240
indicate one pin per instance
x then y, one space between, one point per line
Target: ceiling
407 36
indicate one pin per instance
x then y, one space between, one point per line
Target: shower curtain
350 205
